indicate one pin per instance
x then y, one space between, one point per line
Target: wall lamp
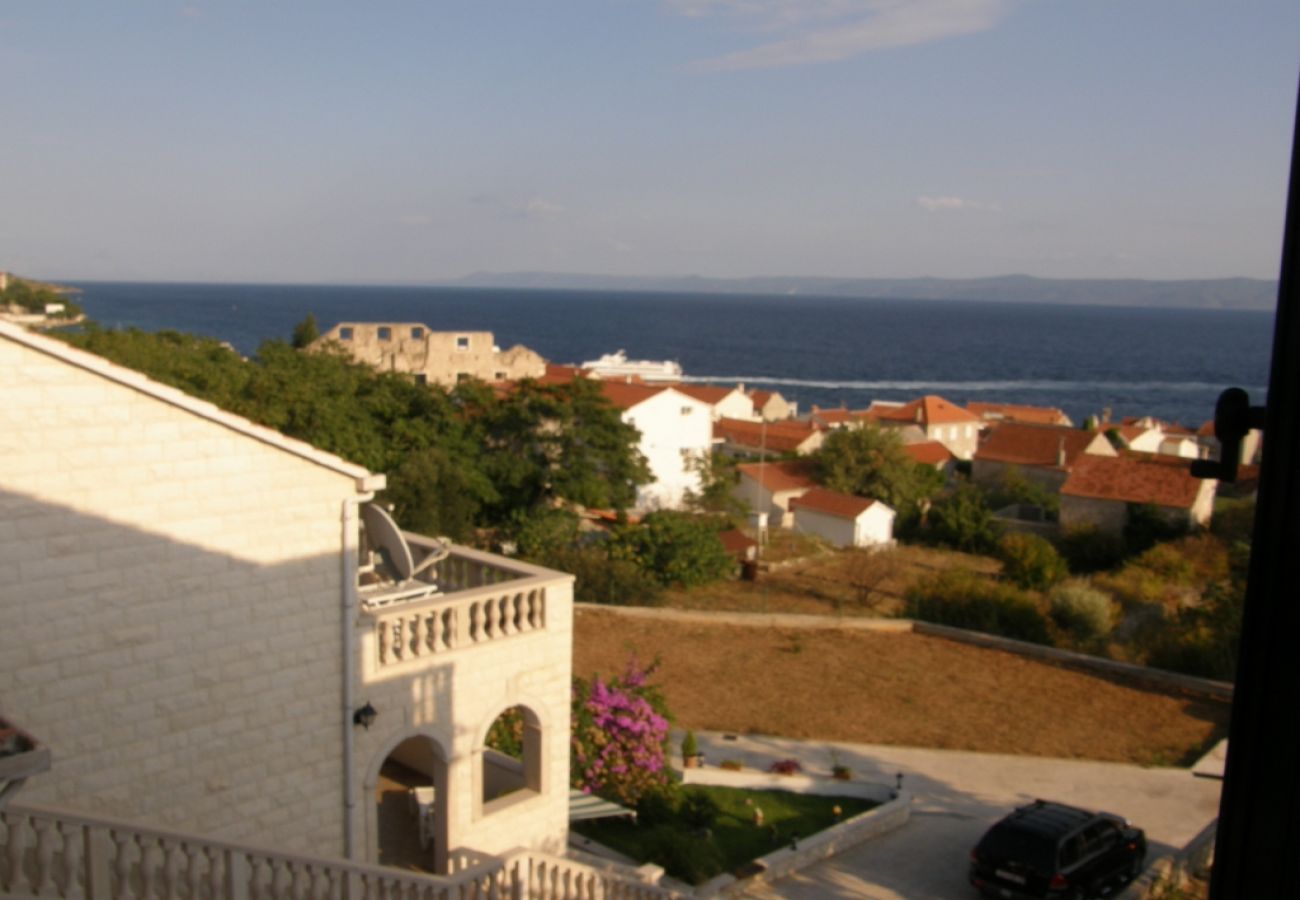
365 716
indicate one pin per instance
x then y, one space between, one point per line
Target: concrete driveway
957 796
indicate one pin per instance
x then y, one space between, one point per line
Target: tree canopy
871 462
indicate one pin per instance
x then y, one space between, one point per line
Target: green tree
963 522
305 332
674 548
871 462
1029 561
718 475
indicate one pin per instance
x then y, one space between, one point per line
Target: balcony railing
47 852
481 598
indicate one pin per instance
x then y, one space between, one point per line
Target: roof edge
366 481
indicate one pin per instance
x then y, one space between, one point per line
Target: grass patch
694 855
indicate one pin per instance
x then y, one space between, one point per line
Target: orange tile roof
1206 429
833 503
1033 445
830 416
556 374
780 437
930 453
928 410
1133 478
709 393
787 475
736 542
625 395
1015 412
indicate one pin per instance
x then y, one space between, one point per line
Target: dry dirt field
903 689
852 582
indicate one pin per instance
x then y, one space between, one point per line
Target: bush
963 599
1030 562
657 807
1087 550
785 767
1082 611
963 522
689 745
698 810
675 548
600 579
682 856
1146 526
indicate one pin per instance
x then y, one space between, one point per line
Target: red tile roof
626 396
928 410
833 416
1133 478
779 437
1014 412
1034 445
556 374
736 542
709 393
833 503
787 475
930 453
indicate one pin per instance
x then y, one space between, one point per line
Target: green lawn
734 840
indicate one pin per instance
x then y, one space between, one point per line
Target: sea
1168 363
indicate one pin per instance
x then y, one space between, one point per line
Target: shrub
1030 562
1088 550
600 579
963 599
1146 526
682 856
619 736
656 807
731 765
1083 611
963 522
785 767
675 548
699 810
689 746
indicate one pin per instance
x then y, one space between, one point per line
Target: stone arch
395 835
499 782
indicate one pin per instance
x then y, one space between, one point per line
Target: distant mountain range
1216 293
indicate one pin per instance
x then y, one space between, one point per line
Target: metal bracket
1234 418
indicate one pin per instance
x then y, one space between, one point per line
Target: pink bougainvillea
620 732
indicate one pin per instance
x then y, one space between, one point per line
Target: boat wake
974 386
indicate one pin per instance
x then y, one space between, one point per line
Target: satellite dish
387 538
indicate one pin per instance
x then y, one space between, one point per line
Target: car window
1099 837
1006 843
1072 850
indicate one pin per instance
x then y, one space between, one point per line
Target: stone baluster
17 826
124 850
44 853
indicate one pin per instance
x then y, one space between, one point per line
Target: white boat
617 365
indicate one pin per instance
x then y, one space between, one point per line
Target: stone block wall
170 609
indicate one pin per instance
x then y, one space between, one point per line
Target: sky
322 141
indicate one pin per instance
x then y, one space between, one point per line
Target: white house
843 519
730 403
194 623
676 430
939 420
768 487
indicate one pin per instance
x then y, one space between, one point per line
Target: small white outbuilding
843 519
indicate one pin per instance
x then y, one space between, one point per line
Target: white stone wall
875 526
674 429
170 612
454 699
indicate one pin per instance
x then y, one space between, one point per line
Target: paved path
957 796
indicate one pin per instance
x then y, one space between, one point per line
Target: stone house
676 430
432 357
198 621
769 487
843 519
1099 491
938 419
1043 454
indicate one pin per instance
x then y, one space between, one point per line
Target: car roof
1047 818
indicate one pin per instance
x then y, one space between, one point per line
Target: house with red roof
676 430
1100 489
838 417
730 403
931 453
939 420
740 437
844 519
1016 412
1043 454
768 487
772 407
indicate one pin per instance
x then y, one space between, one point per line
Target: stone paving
957 796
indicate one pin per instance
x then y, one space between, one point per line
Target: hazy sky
321 141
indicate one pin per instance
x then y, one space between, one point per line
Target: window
385 333
501 376
462 342
686 410
462 376
417 333
345 334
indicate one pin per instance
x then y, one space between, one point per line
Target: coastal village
233 674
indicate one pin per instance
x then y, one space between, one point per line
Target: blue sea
1169 363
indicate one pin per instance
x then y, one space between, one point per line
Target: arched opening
410 806
511 759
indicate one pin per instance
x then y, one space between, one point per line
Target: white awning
589 806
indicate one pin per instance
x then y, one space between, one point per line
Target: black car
1052 850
